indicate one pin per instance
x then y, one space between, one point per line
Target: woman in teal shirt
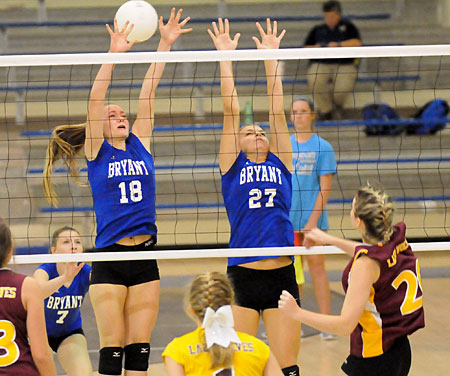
314 165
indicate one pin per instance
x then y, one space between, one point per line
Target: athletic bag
432 116
381 112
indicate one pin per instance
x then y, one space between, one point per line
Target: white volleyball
142 15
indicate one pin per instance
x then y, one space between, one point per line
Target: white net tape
238 55
203 253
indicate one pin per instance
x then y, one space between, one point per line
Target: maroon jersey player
24 347
383 301
395 298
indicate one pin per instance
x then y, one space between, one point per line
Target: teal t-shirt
311 160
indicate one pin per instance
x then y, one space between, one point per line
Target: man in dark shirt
331 80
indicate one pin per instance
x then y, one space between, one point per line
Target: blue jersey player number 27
260 195
260 173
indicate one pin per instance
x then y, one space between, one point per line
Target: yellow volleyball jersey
190 351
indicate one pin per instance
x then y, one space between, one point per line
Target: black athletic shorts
394 362
55 342
126 273
261 289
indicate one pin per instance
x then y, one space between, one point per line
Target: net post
222 8
188 69
399 9
42 11
3 39
443 12
20 107
19 96
199 103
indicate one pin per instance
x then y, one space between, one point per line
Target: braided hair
212 290
375 208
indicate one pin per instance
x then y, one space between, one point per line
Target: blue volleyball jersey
258 197
62 308
124 191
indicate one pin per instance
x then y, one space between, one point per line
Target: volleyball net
40 92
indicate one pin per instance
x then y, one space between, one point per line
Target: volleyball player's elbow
277 107
347 327
41 358
345 331
231 108
227 109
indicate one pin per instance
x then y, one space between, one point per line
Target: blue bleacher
32 250
193 20
45 133
200 205
197 83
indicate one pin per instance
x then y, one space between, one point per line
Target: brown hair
212 290
5 242
66 143
304 98
332 6
375 208
58 232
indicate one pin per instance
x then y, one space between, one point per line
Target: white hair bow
218 327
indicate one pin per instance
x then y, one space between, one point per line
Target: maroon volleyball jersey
394 308
15 352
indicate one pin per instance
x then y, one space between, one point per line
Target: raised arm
280 143
143 126
229 142
94 126
365 272
49 286
319 237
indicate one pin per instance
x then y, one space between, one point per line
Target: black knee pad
110 362
291 371
136 356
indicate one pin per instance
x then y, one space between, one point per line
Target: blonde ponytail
66 143
375 208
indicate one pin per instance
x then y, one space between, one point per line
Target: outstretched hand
315 237
269 39
119 41
72 269
173 28
288 305
221 36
